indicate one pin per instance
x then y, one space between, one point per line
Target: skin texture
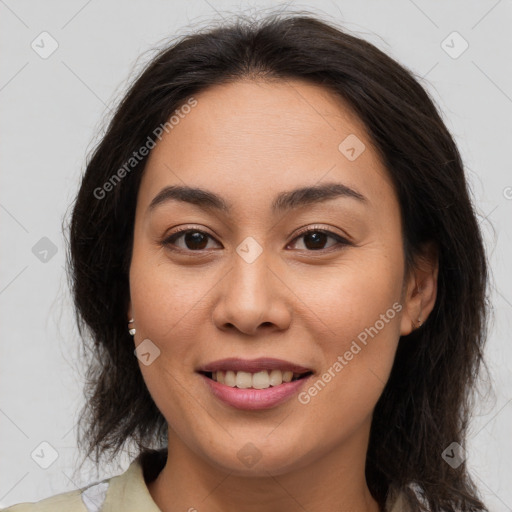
248 141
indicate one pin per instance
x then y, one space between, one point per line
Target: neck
333 481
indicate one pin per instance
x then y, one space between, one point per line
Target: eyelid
323 229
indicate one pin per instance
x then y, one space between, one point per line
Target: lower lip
255 399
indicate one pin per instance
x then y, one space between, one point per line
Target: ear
420 289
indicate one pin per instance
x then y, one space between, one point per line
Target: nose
252 298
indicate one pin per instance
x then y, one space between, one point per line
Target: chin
242 457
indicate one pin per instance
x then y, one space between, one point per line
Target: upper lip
253 365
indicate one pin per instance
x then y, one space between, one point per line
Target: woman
275 254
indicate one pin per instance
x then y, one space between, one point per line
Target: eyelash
169 241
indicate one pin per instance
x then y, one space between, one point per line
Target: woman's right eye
193 239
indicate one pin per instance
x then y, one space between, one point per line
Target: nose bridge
251 295
250 275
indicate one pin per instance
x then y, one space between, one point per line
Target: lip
236 364
255 399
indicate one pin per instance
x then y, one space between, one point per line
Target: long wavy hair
427 401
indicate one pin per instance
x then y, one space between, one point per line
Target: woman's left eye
195 240
315 239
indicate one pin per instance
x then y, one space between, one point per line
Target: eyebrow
283 202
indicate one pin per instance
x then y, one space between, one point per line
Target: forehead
247 139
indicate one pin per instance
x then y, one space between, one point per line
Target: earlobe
411 317
421 291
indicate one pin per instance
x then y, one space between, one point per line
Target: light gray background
52 111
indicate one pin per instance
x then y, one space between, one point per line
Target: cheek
351 295
358 305
165 298
165 304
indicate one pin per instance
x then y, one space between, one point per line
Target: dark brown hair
426 403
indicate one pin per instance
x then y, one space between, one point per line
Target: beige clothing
127 492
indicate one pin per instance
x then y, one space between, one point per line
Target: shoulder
86 499
127 491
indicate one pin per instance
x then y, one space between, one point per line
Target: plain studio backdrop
64 66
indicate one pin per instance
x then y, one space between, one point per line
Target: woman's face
246 282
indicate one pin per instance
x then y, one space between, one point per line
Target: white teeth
243 380
229 378
258 380
276 377
287 376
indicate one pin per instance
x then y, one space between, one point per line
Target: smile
259 380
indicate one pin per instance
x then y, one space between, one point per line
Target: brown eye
316 239
193 240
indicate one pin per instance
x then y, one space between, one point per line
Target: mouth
260 384
261 373
258 380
